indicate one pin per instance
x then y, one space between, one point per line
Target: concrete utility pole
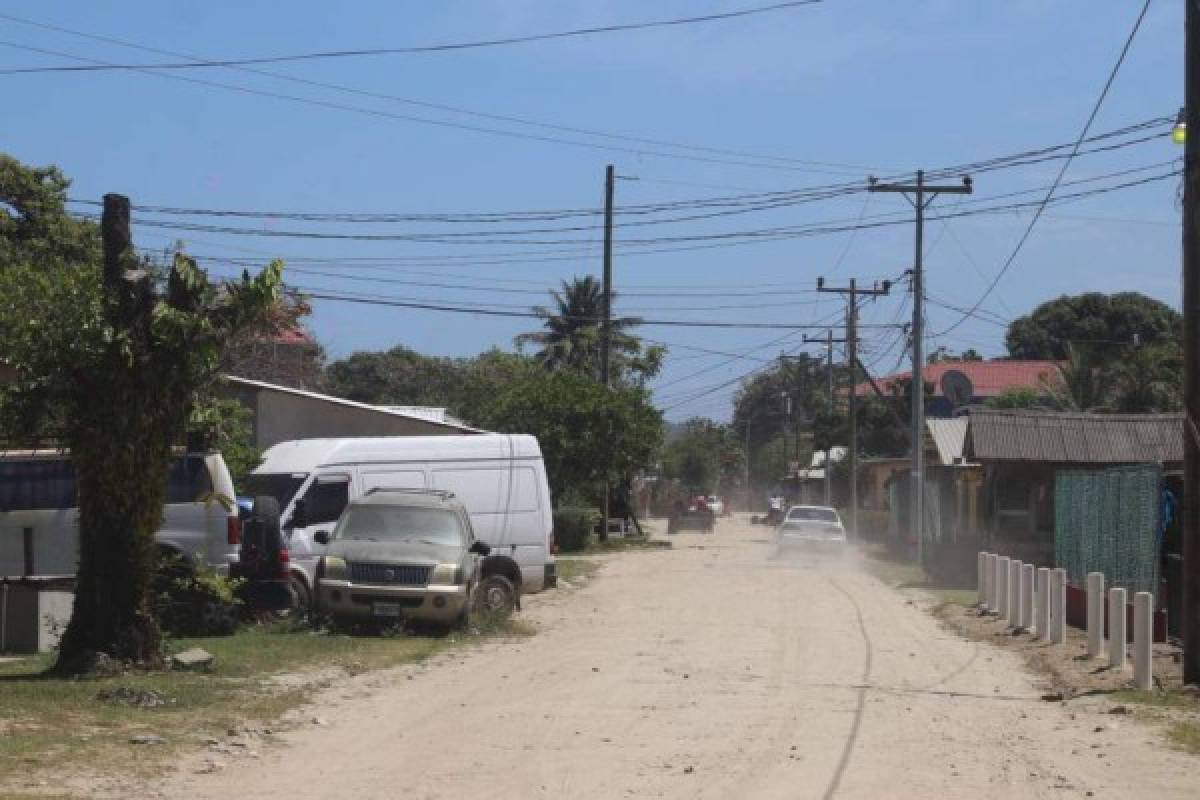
828 340
853 292
606 323
921 195
1191 347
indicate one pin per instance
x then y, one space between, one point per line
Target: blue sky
879 86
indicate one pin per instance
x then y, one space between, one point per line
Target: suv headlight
334 568
446 574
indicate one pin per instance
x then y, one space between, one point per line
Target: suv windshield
812 515
281 486
399 524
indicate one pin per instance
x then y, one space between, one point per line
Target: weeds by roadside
46 721
900 573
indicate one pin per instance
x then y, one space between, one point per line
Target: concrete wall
281 417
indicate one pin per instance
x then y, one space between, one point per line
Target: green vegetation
571 569
704 455
573 528
45 719
109 356
900 573
1186 736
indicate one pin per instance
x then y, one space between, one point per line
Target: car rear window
812 515
399 524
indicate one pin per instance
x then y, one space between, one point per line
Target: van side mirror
321 537
480 547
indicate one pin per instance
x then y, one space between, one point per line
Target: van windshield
281 486
399 524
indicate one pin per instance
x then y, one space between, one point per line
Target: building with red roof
987 380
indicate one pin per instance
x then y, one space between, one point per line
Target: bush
573 528
193 600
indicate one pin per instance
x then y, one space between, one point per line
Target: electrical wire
434 48
1041 207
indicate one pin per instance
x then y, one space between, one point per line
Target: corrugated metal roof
949 437
1071 438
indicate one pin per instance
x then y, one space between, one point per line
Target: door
316 507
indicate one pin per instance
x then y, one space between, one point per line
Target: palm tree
571 335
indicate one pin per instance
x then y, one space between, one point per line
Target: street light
1179 132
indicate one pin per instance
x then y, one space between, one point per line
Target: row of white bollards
1118 634
1034 599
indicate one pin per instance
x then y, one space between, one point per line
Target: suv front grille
390 574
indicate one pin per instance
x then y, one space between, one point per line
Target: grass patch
1170 698
47 723
1185 736
573 569
625 543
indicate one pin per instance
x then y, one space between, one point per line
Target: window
36 484
380 523
188 480
281 486
395 479
325 502
813 515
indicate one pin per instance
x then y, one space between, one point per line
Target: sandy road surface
711 671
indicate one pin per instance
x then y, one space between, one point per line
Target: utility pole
606 322
921 195
853 292
1191 347
828 340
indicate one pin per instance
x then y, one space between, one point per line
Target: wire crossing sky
416 193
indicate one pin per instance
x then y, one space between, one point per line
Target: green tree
589 434
112 364
1106 321
402 377
571 336
704 455
1019 397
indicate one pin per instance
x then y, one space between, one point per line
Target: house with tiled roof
988 379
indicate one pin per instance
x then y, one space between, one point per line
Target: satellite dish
957 388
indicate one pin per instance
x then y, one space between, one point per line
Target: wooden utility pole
921 195
1191 347
853 292
606 322
828 340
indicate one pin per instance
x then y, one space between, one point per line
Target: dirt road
710 671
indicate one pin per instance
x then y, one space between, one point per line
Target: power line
321 294
738 236
734 203
427 104
433 48
1112 76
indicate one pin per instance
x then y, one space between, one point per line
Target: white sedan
812 528
716 505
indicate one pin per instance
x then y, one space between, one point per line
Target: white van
500 478
37 492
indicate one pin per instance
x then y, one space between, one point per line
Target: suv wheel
495 595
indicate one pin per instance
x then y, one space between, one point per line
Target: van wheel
495 596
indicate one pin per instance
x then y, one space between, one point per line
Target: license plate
386 609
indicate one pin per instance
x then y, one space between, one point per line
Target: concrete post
981 579
1042 603
1095 614
1117 647
1058 606
989 582
1002 587
1014 594
1027 597
993 586
1143 641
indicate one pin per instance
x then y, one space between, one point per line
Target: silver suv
399 554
